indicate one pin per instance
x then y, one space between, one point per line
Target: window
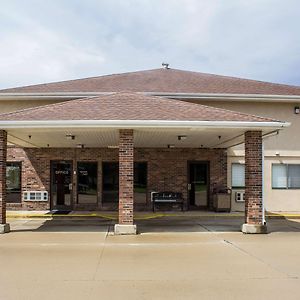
279 176
13 182
140 182
285 176
238 176
87 182
111 182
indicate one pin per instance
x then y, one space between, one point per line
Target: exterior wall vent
240 196
35 196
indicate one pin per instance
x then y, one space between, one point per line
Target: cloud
63 39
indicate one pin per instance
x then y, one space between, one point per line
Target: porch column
253 184
126 163
4 227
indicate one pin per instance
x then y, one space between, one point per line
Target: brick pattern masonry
126 177
253 177
3 146
167 170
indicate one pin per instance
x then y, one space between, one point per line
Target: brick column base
253 184
126 169
4 227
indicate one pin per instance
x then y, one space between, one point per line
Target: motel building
123 141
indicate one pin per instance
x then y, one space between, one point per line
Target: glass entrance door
61 184
198 184
87 182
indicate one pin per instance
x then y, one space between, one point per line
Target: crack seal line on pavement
102 251
259 259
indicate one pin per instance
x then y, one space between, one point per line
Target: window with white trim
285 176
237 175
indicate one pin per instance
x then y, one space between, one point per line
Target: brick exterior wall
3 152
126 160
167 170
253 177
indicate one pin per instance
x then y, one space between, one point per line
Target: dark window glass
110 183
140 182
13 182
87 182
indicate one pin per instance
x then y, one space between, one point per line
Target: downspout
263 182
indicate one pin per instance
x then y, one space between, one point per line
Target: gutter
128 124
193 96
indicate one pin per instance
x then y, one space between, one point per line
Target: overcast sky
43 41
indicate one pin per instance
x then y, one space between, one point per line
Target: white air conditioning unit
240 196
35 196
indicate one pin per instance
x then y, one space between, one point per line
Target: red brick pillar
126 169
3 151
253 183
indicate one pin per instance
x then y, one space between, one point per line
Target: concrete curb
14 215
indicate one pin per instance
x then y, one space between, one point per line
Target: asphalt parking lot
171 258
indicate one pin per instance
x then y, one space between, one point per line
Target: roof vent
165 65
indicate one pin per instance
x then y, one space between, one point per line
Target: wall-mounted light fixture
297 110
181 137
80 146
70 137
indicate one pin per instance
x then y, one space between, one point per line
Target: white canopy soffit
158 134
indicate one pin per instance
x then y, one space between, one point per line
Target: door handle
189 186
70 186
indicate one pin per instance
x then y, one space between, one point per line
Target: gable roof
161 81
129 106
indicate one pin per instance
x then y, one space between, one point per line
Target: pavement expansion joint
258 258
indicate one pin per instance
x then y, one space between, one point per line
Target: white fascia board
140 124
195 96
230 97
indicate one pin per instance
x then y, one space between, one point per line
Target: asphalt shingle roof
128 106
163 81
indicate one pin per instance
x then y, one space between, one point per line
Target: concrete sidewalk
172 258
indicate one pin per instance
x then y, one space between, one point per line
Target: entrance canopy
157 122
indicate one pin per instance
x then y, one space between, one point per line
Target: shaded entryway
130 121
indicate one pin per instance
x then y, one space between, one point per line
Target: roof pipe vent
165 65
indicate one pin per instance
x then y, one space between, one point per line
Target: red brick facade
3 146
253 177
167 170
126 161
